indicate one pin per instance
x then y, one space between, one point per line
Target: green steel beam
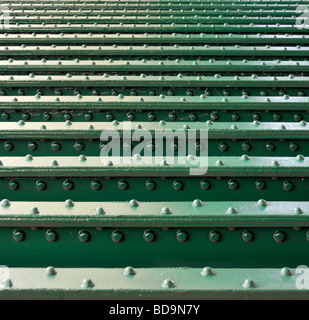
154 167
161 102
148 65
179 38
153 283
135 213
168 13
149 50
144 80
125 5
92 130
151 19
135 28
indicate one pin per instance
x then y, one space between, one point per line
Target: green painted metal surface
141 283
72 69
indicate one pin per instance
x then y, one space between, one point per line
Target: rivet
7 283
168 283
223 146
96 185
286 271
13 185
133 203
51 235
197 203
247 236
129 271
82 157
293 146
123 184
249 283
270 146
177 185
300 157
245 157
69 203
99 211
108 163
8 146
298 210
5 203
262 203
182 235
288 186
83 236
149 236
150 185
18 235
54 163
219 163
166 210
233 184
214 236
68 185
279 236
163 163
28 157
275 163
208 271
87 283
40 185
117 236
231 210
50 271
34 210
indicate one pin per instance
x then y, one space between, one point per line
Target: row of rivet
167 283
150 185
80 146
172 116
169 92
118 236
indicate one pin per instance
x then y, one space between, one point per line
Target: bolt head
149 236
150 185
260 184
182 235
247 236
214 236
177 185
279 236
83 236
13 185
40 185
18 235
51 235
117 236
233 184
123 184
